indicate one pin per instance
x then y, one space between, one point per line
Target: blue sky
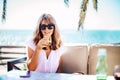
23 14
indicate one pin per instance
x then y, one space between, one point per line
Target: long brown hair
56 40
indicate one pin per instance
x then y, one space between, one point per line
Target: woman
44 50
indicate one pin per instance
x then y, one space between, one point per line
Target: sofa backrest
75 59
83 58
113 57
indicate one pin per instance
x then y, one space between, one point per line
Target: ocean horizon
19 37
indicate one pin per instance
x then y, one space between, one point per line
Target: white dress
45 64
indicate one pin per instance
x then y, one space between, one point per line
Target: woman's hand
44 42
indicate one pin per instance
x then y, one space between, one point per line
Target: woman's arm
32 58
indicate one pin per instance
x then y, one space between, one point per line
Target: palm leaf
4 11
83 12
66 2
95 2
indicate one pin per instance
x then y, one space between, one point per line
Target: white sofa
75 59
83 58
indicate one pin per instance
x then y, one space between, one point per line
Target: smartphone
27 75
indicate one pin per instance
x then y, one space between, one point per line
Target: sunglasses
49 26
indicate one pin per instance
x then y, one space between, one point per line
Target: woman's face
46 28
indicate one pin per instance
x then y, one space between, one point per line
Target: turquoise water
19 37
14 37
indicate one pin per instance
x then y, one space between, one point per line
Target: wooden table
15 75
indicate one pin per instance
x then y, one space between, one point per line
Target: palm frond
4 11
66 2
95 2
82 13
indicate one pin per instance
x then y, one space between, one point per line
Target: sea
20 37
